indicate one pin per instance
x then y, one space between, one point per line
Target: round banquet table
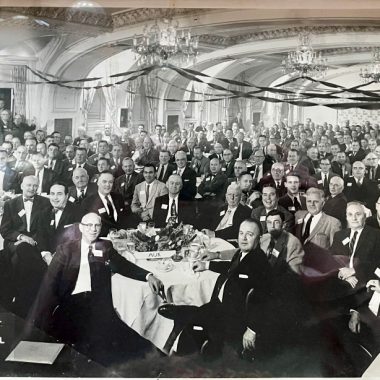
137 306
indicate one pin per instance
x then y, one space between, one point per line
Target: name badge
224 169
198 328
95 180
346 241
97 252
72 199
164 207
122 185
349 184
319 182
377 272
262 218
102 210
222 213
291 208
243 276
299 221
113 167
174 171
21 213
186 180
70 169
275 253
52 222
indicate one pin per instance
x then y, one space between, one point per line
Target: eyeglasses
91 225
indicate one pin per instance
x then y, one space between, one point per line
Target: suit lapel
153 190
319 227
20 207
362 240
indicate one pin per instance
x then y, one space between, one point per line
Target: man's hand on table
207 255
155 284
199 266
249 339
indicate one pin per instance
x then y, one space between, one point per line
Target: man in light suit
24 241
313 225
108 205
74 303
225 223
146 192
172 206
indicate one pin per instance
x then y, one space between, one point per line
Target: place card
154 255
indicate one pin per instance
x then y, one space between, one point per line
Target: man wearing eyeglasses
24 241
75 305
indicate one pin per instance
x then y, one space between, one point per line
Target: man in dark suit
244 148
81 188
54 163
324 176
171 206
24 241
294 165
228 163
75 301
8 176
336 202
225 223
125 184
109 206
46 177
149 155
58 216
276 178
341 166
238 120
229 317
116 160
79 162
270 202
164 168
189 177
103 152
359 188
199 163
357 153
292 200
372 168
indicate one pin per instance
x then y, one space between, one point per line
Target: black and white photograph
190 189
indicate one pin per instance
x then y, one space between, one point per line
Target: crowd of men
306 195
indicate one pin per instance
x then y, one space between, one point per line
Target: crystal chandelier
159 45
372 71
305 61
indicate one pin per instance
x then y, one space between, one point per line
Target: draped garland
333 96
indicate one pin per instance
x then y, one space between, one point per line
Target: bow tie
28 199
56 209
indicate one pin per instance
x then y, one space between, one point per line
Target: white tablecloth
137 305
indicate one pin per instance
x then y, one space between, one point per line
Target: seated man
24 241
82 188
46 177
336 203
8 176
227 220
227 317
293 200
270 202
171 205
108 205
75 301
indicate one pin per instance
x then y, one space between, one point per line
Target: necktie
173 210
291 168
91 262
160 171
306 234
127 179
271 257
235 262
296 204
81 196
352 242
110 209
324 180
343 170
223 222
358 183
28 200
147 194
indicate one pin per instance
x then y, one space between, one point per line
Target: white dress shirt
57 217
79 192
1 180
170 206
227 219
313 223
355 245
28 212
83 283
40 177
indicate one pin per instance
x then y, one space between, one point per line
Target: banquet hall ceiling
70 42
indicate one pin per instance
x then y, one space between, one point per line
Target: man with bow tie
75 300
24 241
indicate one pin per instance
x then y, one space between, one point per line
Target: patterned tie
81 196
127 179
352 242
110 209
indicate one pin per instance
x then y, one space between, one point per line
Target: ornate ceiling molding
136 16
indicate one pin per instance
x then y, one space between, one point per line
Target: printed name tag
319 182
262 218
102 210
95 180
186 180
113 167
164 207
52 222
349 184
222 213
243 276
72 199
346 241
275 253
97 252
122 185
377 272
174 171
291 208
21 213
198 328
70 169
299 221
223 169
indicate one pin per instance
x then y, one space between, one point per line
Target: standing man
292 200
189 189
75 301
199 162
164 168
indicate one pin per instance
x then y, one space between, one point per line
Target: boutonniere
107 263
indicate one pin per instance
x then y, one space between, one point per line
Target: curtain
87 99
151 89
19 77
